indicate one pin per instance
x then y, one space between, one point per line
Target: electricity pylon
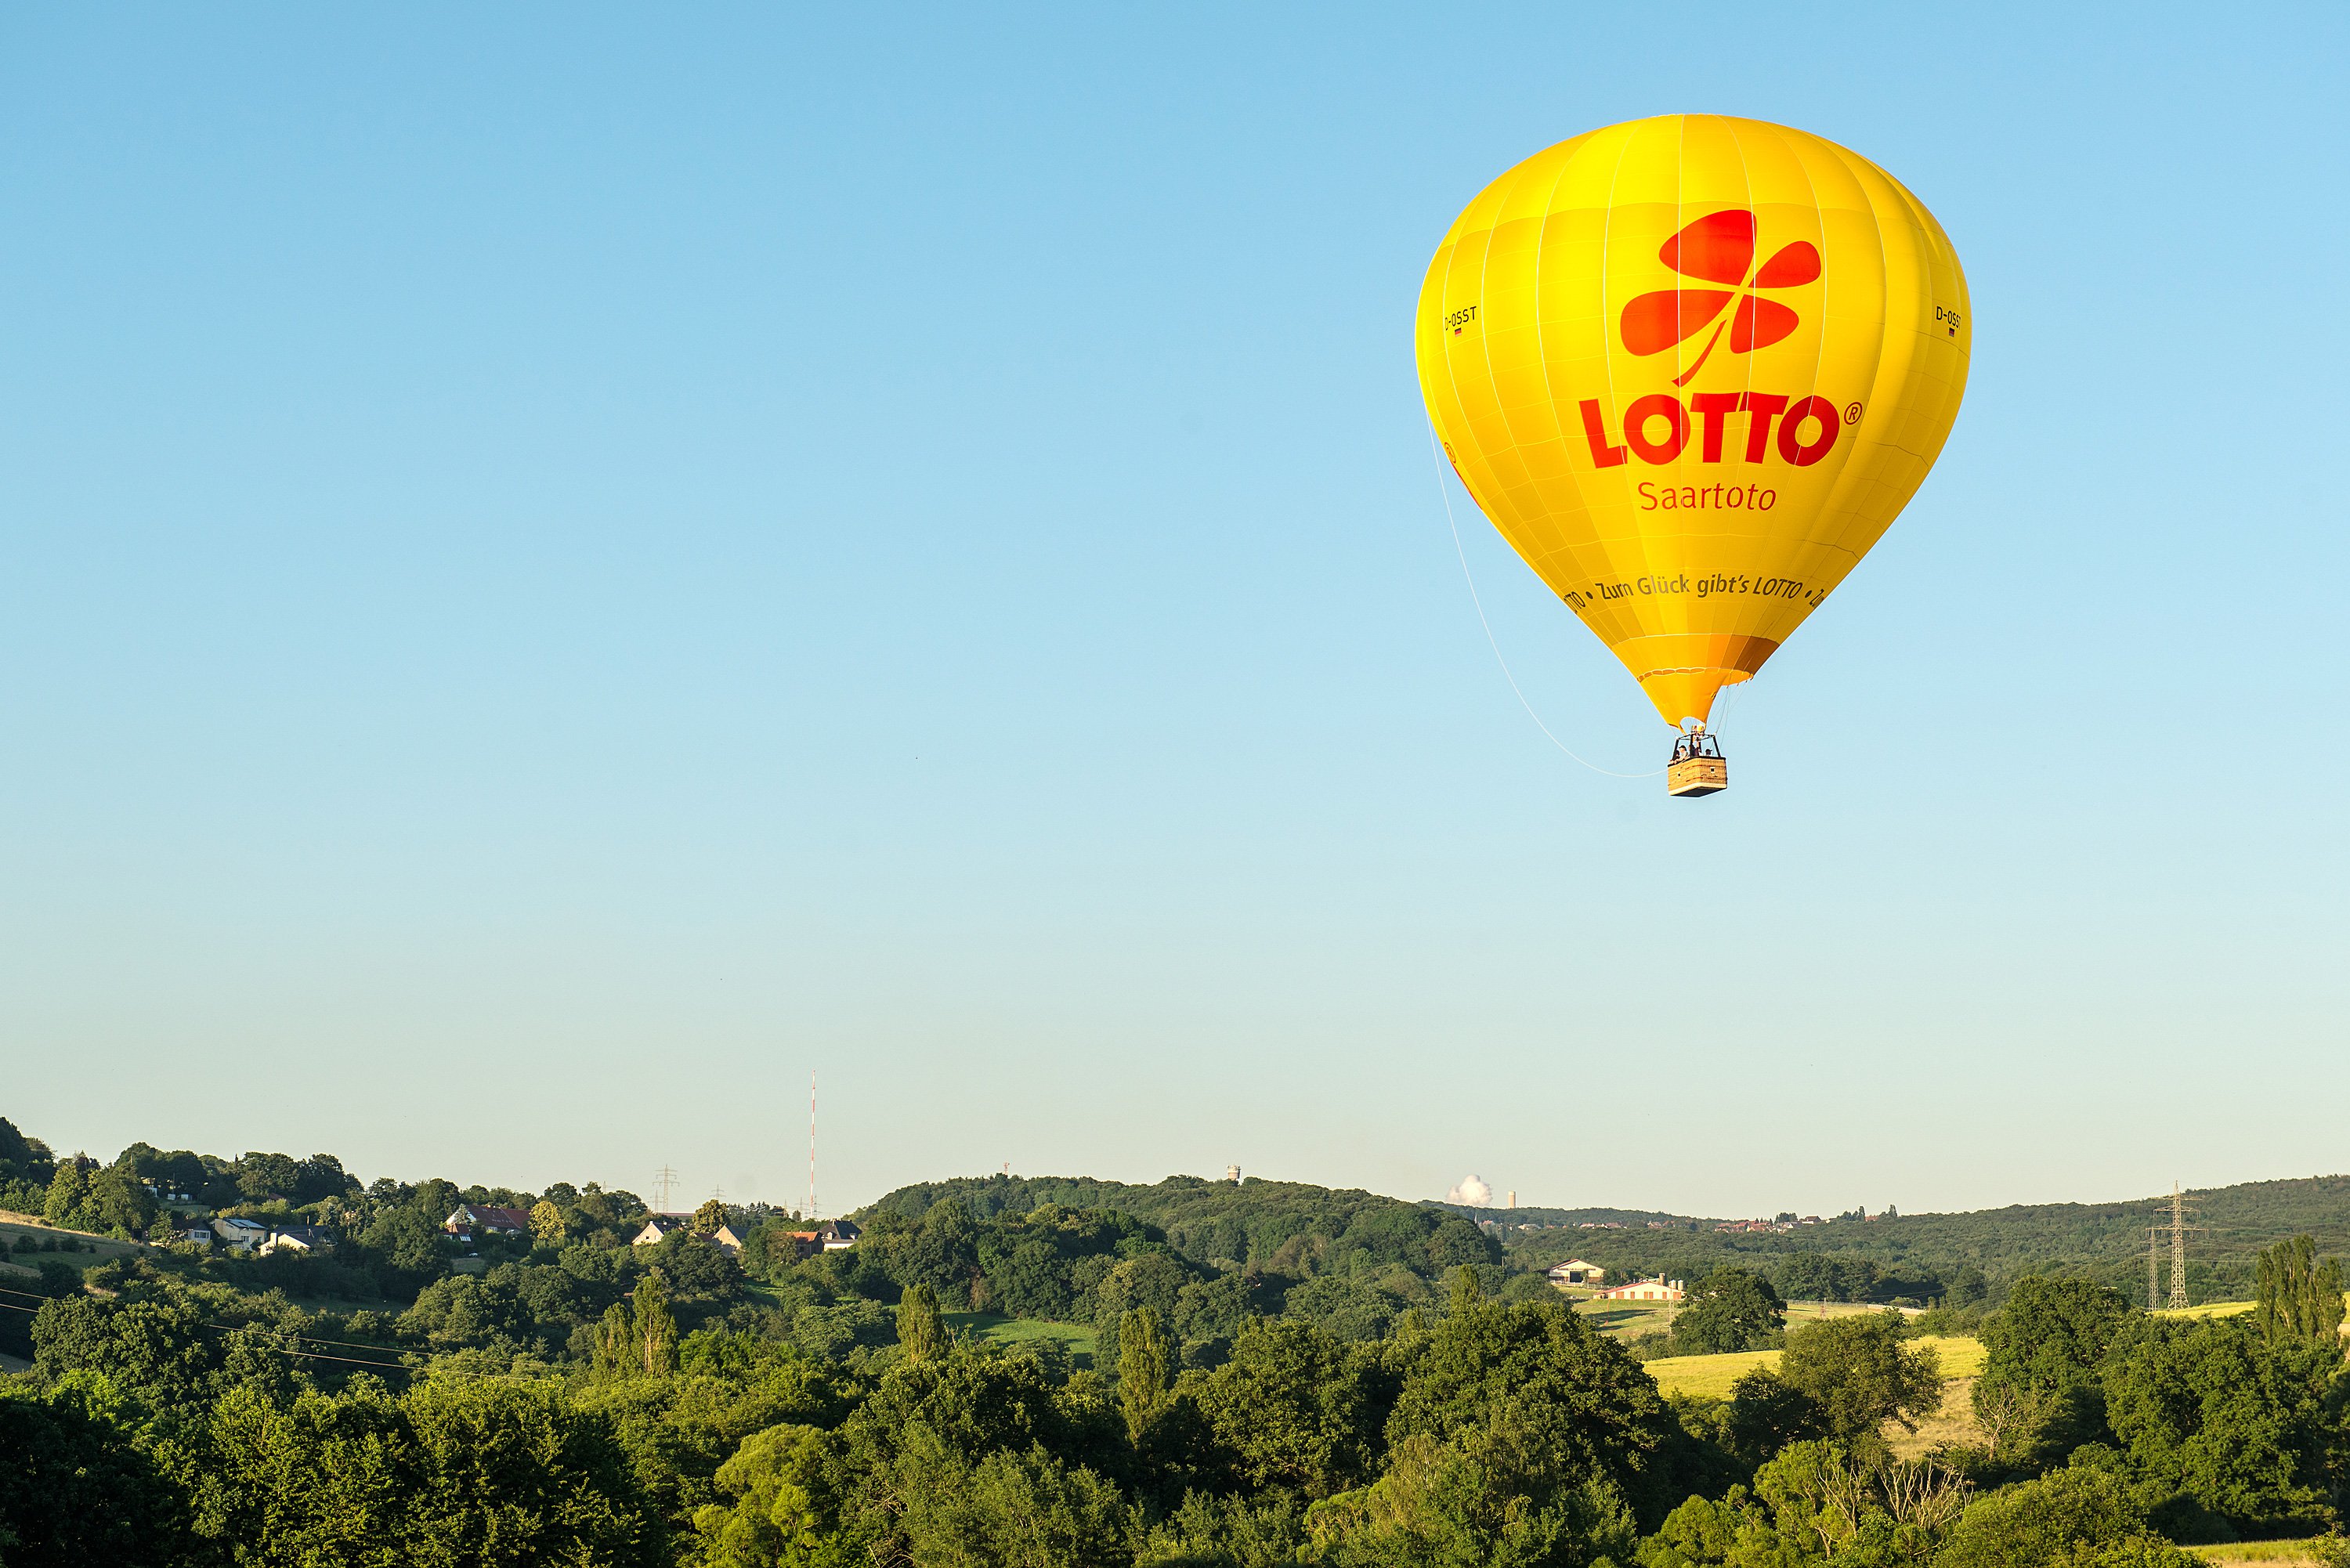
2178 1302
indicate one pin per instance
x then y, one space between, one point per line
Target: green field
101 1247
988 1328
2268 1553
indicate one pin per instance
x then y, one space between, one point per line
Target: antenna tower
663 1179
811 1207
2177 1250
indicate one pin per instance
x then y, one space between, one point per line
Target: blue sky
564 566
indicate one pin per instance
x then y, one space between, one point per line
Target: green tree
547 1223
1145 1368
2080 1517
68 1198
921 1328
260 1177
1295 1408
1531 1391
615 1353
708 1216
24 1159
458 1471
1729 1310
1471 1504
2210 1411
118 1200
2300 1298
512 1472
319 1178
773 1516
1861 1375
1455 1241
1155 1280
1766 1413
79 1484
1013 1509
652 1329
404 1246
1467 1290
2039 1392
157 1348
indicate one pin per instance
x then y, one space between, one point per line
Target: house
726 1241
1656 1290
239 1234
197 1235
838 1235
298 1238
1576 1271
658 1229
474 1219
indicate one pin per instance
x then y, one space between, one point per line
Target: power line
281 1334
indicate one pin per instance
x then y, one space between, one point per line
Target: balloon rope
1463 556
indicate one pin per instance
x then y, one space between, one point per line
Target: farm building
1656 1290
1576 1271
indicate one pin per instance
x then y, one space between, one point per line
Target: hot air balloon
1692 367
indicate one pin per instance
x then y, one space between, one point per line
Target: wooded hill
1254 1226
1964 1255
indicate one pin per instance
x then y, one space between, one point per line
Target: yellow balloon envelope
1692 367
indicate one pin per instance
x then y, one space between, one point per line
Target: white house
1659 1289
468 1218
838 1235
726 1241
1576 1271
657 1229
240 1234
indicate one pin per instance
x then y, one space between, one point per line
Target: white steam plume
1471 1194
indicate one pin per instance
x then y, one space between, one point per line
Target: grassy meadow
989 1328
101 1247
2266 1553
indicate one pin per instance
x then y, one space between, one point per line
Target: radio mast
811 1207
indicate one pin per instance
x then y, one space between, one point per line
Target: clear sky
566 566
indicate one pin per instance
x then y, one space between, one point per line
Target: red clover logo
1719 248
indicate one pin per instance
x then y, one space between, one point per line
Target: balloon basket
1698 766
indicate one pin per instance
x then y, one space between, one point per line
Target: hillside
1277 1227
1923 1256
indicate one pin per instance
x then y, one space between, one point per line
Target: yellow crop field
2209 1309
1710 1376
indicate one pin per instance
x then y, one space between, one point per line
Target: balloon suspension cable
1462 555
